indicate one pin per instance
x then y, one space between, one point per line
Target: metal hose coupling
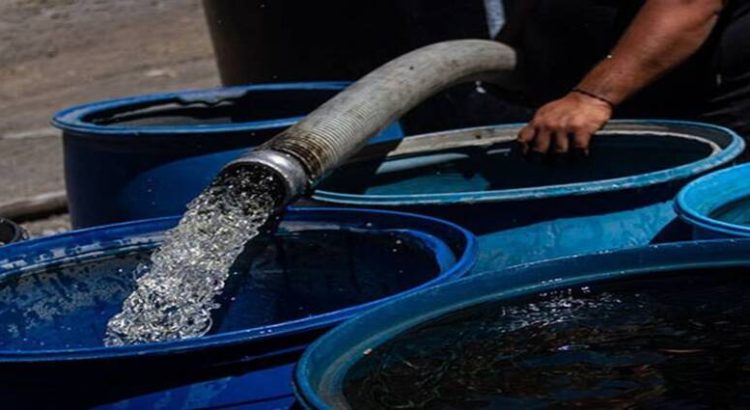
288 170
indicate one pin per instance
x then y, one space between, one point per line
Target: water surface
500 167
303 269
736 212
681 341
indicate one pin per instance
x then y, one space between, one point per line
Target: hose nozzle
285 167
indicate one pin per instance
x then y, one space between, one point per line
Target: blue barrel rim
375 327
685 209
724 156
116 233
72 119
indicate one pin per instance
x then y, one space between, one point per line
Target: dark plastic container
320 372
297 40
10 232
526 210
718 204
148 156
320 268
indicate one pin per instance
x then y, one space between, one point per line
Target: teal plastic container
717 205
527 210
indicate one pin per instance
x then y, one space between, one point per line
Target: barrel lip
321 369
72 121
147 232
724 156
700 198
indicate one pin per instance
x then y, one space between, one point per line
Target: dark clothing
729 99
303 40
560 41
466 105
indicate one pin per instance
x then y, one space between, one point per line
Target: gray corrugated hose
307 151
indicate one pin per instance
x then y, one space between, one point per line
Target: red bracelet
592 95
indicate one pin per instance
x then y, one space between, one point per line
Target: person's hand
560 124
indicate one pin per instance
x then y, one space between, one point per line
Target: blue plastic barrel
147 156
532 209
717 205
322 266
322 370
10 232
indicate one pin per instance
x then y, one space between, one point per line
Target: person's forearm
663 35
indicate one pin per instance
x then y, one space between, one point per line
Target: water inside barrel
217 108
736 212
679 340
304 270
501 167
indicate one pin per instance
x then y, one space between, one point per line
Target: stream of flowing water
175 291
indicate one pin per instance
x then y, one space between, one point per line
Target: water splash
175 292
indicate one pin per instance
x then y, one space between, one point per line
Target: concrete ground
56 53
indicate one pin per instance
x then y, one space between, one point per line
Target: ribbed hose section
338 128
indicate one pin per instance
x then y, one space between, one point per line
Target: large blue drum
525 209
321 267
663 326
147 156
